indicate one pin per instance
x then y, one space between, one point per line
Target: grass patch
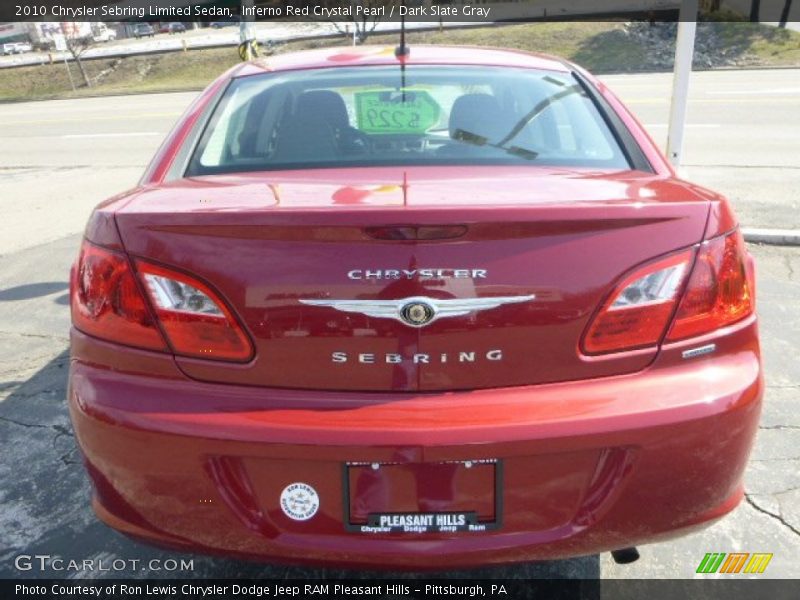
599 46
770 45
133 74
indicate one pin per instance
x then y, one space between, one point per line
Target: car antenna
402 49
401 52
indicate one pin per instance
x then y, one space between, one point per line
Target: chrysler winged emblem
418 311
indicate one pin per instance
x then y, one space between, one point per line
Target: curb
778 237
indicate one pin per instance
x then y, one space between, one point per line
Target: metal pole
684 52
247 32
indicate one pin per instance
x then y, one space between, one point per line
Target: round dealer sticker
299 501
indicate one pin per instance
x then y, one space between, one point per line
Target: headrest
479 114
325 104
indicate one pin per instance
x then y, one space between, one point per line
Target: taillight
639 309
106 301
718 293
196 321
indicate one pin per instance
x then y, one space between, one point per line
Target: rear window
385 115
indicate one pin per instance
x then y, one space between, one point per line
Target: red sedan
446 308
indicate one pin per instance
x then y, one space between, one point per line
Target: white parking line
107 135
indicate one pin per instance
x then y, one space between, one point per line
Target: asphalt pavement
58 159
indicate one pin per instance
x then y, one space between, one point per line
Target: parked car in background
221 24
101 33
176 28
143 30
444 309
15 48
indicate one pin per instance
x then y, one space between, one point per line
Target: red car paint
569 453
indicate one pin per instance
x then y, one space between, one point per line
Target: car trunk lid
284 248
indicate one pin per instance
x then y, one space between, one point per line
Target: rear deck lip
456 179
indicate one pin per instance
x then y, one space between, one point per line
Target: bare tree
77 44
787 7
364 22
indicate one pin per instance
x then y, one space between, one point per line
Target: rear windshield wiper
473 139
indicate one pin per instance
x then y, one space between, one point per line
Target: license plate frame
424 522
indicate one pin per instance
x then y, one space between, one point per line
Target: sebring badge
418 311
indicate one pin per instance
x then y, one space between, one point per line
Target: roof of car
345 56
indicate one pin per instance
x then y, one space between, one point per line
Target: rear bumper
587 466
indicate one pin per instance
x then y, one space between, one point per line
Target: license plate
463 496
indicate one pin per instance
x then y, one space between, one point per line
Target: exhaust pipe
625 556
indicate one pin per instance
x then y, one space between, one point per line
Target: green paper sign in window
393 111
